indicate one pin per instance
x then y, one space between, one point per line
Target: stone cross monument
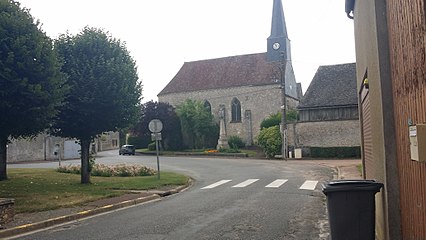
223 140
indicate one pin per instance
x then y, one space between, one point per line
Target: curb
72 217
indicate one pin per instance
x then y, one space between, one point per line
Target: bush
272 120
226 150
236 142
336 152
270 140
120 170
152 147
275 119
139 141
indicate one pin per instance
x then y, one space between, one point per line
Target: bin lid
351 186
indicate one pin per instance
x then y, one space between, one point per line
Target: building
46 147
391 82
248 87
328 112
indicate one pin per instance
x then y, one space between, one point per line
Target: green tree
270 140
275 119
198 127
31 85
105 92
171 133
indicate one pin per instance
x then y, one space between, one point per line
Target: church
246 88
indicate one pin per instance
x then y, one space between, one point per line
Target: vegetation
105 91
44 189
270 140
198 128
236 142
32 87
120 170
275 119
171 133
336 152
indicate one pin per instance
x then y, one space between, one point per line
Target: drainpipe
349 8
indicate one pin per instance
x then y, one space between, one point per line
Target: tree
171 133
275 119
105 92
198 128
31 84
270 140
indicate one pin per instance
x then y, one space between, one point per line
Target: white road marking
216 184
309 185
245 183
277 183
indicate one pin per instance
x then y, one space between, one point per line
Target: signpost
155 126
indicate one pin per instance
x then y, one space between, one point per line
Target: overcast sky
162 35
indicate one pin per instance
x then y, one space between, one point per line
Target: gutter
349 8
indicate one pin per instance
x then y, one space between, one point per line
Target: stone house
328 112
247 86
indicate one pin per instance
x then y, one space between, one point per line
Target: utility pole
279 54
283 127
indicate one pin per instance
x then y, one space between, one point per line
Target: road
230 199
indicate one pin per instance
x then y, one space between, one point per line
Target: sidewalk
27 222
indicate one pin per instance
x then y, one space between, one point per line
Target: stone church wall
261 101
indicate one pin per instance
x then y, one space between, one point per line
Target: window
236 110
208 106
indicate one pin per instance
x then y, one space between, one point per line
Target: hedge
335 152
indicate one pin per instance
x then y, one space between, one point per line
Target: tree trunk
3 157
85 168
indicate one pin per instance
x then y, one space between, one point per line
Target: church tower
278 50
278 42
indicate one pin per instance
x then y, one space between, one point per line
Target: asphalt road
230 199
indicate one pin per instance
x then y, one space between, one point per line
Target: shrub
226 150
152 147
120 170
235 142
275 119
272 120
139 141
335 152
270 140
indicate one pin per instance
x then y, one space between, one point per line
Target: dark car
127 149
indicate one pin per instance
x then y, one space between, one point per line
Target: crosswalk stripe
216 184
309 185
277 183
245 183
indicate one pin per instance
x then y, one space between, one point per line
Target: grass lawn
44 189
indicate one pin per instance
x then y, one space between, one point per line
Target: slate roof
235 71
333 85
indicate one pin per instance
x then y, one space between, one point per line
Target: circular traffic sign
155 126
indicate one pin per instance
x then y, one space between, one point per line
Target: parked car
127 149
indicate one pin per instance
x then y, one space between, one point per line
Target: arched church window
208 106
236 110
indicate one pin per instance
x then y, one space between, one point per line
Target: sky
162 35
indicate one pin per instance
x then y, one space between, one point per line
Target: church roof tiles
235 71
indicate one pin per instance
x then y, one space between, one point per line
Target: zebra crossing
307 185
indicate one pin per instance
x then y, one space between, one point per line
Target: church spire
278 42
278 27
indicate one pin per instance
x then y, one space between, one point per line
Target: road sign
155 126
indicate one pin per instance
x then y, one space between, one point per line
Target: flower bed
120 170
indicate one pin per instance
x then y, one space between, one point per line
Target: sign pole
158 159
155 126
